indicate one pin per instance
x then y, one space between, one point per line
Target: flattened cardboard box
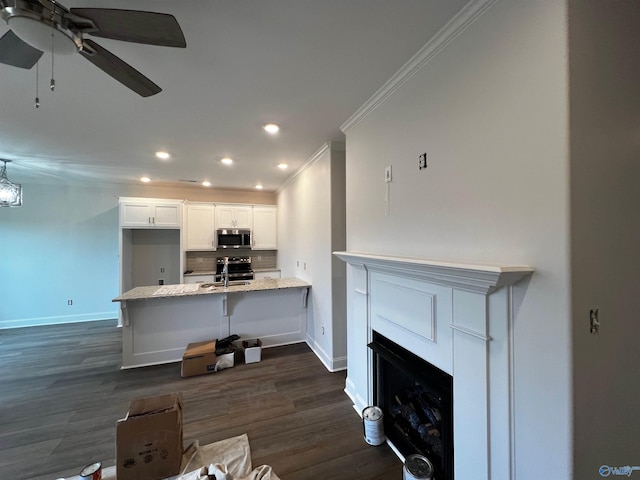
149 439
199 358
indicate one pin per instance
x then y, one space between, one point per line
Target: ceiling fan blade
134 26
119 69
15 52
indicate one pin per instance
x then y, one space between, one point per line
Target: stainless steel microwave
233 238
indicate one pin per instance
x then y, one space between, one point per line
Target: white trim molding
58 320
325 148
474 277
458 24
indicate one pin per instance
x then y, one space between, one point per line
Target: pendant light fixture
10 193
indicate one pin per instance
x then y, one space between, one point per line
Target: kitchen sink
231 283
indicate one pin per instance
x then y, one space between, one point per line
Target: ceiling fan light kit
37 26
10 193
40 34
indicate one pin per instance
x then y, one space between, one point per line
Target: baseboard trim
331 364
58 320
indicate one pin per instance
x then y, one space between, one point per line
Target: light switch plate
387 174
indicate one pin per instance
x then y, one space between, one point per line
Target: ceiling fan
45 25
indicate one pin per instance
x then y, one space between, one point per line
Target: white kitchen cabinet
234 216
150 213
200 226
264 228
266 274
198 279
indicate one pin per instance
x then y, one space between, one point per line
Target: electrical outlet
199 260
161 281
387 174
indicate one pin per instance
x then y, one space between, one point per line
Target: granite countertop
185 290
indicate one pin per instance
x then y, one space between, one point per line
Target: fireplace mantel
458 317
481 278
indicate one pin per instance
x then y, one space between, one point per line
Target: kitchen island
159 321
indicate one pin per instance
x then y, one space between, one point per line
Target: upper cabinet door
135 214
234 216
167 215
264 228
200 226
150 213
224 216
243 217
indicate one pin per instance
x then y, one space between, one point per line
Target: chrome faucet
225 272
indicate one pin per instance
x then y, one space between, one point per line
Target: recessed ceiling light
259 187
283 166
145 179
206 183
227 161
163 155
271 128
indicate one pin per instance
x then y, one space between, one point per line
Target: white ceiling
305 64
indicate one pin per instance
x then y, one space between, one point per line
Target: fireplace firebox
417 401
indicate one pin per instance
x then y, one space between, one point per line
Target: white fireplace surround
457 316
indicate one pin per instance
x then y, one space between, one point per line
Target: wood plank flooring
62 391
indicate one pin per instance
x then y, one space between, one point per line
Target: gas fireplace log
407 413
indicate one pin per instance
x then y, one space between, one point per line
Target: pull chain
37 79
52 85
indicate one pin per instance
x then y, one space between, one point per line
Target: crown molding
326 147
458 24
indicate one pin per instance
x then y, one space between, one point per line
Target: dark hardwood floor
62 391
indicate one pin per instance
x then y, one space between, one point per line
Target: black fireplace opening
416 398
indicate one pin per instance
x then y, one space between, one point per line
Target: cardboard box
252 351
199 358
149 439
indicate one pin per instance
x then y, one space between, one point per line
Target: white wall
605 229
490 110
338 267
62 244
308 212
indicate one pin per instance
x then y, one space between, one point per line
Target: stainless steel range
239 268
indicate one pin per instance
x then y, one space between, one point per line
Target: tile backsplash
206 261
264 258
